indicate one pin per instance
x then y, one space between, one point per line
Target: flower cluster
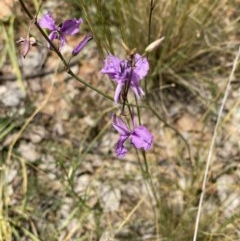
122 71
68 27
57 32
128 74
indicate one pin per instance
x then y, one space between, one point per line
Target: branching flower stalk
125 73
56 50
128 74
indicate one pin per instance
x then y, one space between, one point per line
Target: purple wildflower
81 45
121 71
68 27
140 136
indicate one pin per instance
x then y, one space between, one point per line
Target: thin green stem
149 37
150 21
69 71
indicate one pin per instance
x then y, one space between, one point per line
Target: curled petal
57 35
138 91
118 92
120 126
142 138
71 26
47 21
120 149
53 35
81 45
62 40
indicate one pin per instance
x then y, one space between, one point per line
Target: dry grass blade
208 162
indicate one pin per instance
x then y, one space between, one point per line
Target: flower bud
81 45
154 45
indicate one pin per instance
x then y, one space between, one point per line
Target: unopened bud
154 45
81 45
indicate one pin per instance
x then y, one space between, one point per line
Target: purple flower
81 45
121 71
68 27
140 136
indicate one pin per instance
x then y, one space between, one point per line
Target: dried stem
227 91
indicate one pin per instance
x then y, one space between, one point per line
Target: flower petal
118 92
120 149
71 26
63 40
120 126
138 91
134 84
142 138
141 66
47 21
112 67
53 35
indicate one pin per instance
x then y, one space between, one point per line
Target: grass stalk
210 153
8 35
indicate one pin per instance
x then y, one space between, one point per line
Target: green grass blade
8 36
